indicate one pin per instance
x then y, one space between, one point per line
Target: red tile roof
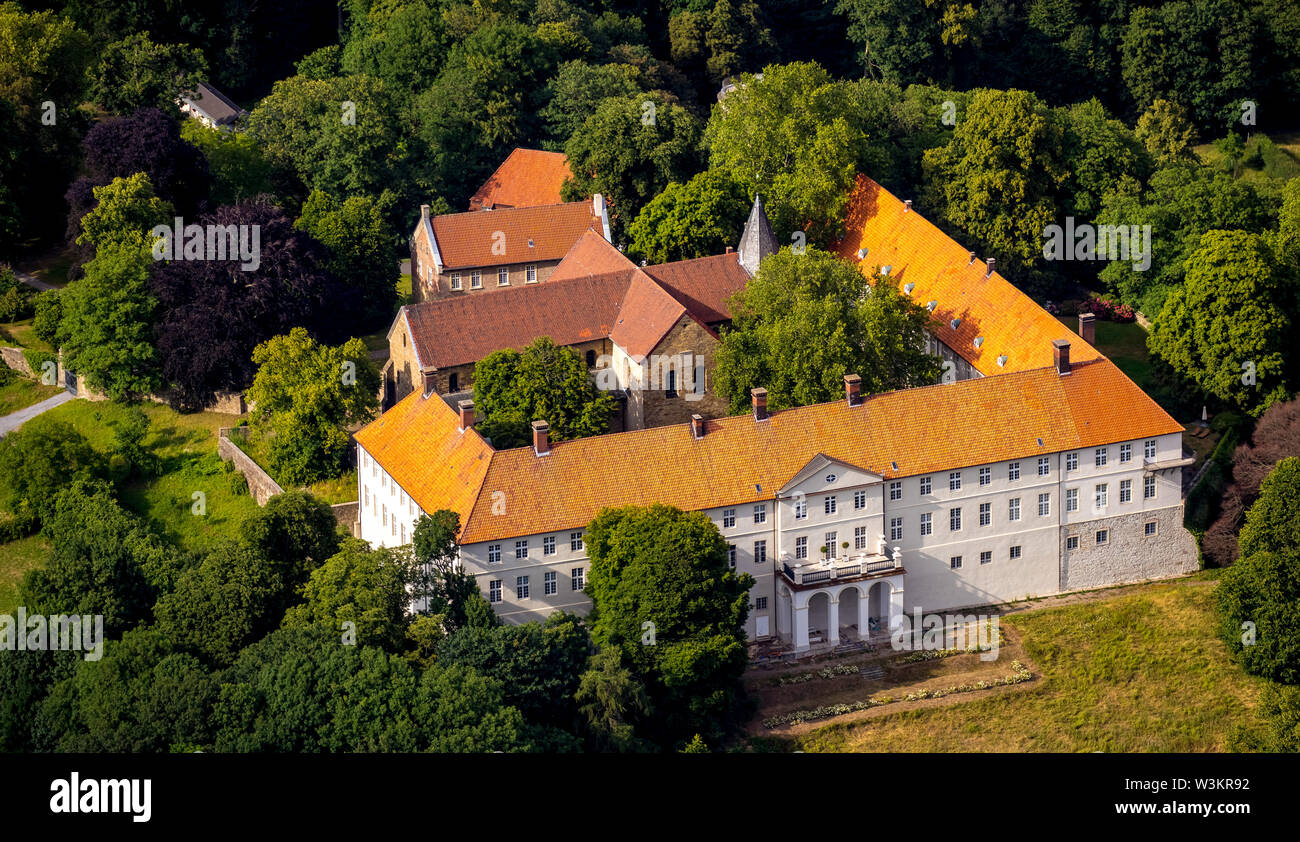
501 237
592 255
739 461
528 177
703 285
991 307
648 314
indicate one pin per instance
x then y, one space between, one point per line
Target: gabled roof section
923 430
988 306
211 102
703 285
592 255
527 178
464 329
420 444
647 315
514 235
815 466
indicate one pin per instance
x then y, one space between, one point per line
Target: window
859 537
925 485
476 279
731 556
728 518
832 543
955 562
1149 528
986 557
494 591
1149 449
1013 471
521 548
1044 505
1072 499
503 277
830 478
800 509
1100 495
1126 491
954 481
760 604
896 490
895 529
801 547
954 519
366 496
986 514
859 499
1072 542
578 578
455 283
548 545
760 552
1099 457
453 382
575 541
549 586
832 502
1015 552
385 510
1072 461
1013 508
394 523
986 476
1103 536
670 388
530 274
521 587
1148 488
760 513
1125 453
925 523
494 553
403 534
1044 466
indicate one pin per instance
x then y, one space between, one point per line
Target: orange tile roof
528 177
703 285
592 255
739 460
991 307
467 240
648 314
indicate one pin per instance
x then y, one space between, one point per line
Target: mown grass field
21 392
1137 672
187 448
20 334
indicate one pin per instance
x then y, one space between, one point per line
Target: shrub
238 483
38 359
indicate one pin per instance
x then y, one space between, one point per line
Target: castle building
1035 468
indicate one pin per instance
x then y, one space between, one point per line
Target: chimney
907 206
424 213
541 438
429 381
972 258
1061 355
598 205
729 249
759 397
697 426
853 389
990 270
466 415
1088 328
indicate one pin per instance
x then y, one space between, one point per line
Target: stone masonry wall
260 484
656 409
1130 555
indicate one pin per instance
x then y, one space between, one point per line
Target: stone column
833 619
864 614
895 606
800 613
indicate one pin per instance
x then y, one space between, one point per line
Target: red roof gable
527 178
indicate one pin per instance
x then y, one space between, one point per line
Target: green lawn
1135 672
22 392
16 558
187 448
22 335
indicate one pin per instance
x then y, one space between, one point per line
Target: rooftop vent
862 253
979 341
907 206
954 324
893 465
1040 441
885 270
908 287
530 242
931 306
1002 360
